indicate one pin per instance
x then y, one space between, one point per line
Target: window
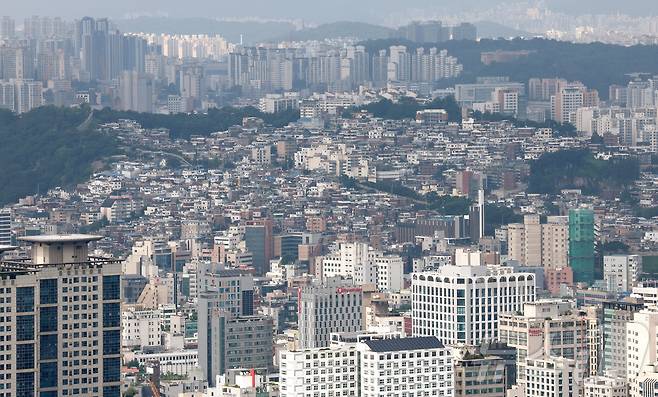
48 375
48 291
48 319
24 299
111 342
111 315
111 370
25 384
111 287
48 347
25 356
24 328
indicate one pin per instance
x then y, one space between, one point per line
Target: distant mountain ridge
253 32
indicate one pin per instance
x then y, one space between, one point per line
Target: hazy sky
312 10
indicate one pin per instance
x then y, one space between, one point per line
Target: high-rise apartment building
462 304
582 244
365 266
136 91
5 227
62 330
532 243
621 272
332 307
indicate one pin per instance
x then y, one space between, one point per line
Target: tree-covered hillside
184 125
45 148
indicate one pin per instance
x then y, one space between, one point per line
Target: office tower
641 342
647 291
621 272
338 364
331 307
581 244
419 355
5 227
552 377
365 266
479 374
63 311
136 92
229 342
234 287
461 304
7 28
259 240
99 53
606 386
230 335
547 328
615 317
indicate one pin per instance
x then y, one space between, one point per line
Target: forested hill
45 148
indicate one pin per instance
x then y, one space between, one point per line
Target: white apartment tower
462 304
5 227
365 265
621 272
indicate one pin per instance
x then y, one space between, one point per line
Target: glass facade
25 384
111 369
111 342
24 328
111 315
111 287
48 319
48 375
48 347
48 291
24 299
25 356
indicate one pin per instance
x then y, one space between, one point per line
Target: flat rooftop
61 238
5 248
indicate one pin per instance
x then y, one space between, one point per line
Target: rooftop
392 345
61 238
5 248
